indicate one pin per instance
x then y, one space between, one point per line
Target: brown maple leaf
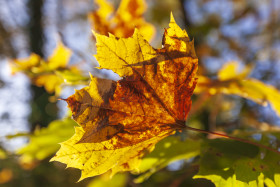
121 121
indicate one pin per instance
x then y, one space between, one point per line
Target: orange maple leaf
121 121
121 22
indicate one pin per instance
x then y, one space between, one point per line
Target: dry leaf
122 121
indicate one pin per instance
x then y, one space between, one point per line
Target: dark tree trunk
36 27
43 112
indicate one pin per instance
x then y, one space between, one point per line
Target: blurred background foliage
244 32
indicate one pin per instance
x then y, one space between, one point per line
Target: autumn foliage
140 122
122 121
108 20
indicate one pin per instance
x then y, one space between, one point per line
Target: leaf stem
233 138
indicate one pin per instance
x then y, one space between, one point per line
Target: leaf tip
82 177
52 159
136 31
172 20
94 33
137 34
91 76
111 35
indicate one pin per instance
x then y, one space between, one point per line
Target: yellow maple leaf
122 121
230 81
123 21
26 63
230 71
60 57
50 82
50 74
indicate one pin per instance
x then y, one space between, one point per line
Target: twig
233 138
183 10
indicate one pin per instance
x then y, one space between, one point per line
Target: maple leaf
44 142
121 22
119 180
51 73
233 163
166 152
122 121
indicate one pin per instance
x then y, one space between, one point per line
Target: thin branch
233 138
187 22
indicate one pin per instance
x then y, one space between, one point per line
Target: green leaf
169 150
231 181
72 77
271 183
44 142
118 180
231 163
3 154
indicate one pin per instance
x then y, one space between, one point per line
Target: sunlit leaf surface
230 81
50 74
44 142
166 152
122 121
232 163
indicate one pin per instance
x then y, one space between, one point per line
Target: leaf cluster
140 123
